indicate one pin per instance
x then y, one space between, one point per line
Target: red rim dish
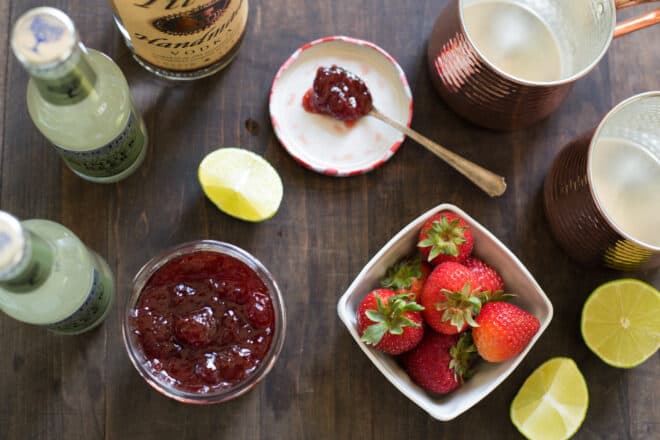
330 170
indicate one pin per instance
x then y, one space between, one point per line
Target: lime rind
226 197
552 402
621 322
241 183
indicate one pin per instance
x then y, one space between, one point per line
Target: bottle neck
69 82
34 267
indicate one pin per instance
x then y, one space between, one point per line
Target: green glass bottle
48 277
78 98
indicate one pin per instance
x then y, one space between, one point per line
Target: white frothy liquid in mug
514 39
625 178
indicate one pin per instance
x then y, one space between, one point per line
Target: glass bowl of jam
205 322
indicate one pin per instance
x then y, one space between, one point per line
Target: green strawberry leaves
402 274
444 237
463 354
390 317
464 306
374 333
461 307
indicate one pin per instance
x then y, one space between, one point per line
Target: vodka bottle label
183 35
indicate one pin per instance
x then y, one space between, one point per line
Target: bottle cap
12 243
43 38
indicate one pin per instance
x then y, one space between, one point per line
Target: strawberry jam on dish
204 321
338 93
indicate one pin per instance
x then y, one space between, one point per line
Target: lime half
241 183
552 403
621 322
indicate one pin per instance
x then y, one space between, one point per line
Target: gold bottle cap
12 243
43 38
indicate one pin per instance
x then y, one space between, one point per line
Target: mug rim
590 180
560 82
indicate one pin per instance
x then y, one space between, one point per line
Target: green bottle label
111 159
97 302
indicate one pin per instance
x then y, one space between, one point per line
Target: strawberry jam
204 321
338 93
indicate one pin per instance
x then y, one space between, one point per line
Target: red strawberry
389 322
449 302
484 276
504 331
407 275
440 362
445 237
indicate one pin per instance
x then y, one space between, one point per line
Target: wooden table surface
322 387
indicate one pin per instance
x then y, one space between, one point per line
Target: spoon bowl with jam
342 95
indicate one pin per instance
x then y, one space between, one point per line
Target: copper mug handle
635 23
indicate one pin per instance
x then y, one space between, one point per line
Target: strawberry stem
444 237
461 307
402 274
463 355
390 317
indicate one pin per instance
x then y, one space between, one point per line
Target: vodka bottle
182 39
48 277
78 98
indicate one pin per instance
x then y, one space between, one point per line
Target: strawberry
485 276
504 331
440 362
449 302
445 237
389 322
407 275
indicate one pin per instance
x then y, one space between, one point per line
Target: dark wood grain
4 22
322 387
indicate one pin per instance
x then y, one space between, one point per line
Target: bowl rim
144 275
421 398
335 172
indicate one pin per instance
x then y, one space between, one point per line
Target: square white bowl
488 376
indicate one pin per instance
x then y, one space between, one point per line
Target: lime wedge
241 184
552 403
621 322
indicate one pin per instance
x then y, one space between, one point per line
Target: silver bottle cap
12 243
43 38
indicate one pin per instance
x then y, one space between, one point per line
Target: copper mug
602 194
506 64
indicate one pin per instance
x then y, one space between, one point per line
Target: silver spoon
493 184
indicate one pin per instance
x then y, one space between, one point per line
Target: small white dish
488 376
322 143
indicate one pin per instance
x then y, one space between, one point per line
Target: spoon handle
488 181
